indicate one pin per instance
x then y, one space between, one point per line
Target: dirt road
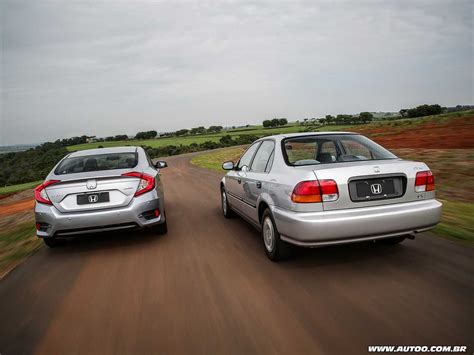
207 287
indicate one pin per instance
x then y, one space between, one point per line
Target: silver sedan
329 188
100 190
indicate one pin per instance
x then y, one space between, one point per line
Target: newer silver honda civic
320 189
100 190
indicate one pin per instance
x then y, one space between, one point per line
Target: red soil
452 134
17 206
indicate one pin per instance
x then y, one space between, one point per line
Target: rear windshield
97 162
328 149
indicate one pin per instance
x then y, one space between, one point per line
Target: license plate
90 199
374 189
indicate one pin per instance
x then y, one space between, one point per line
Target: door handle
259 184
239 180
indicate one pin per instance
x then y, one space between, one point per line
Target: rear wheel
226 210
392 241
161 228
275 248
51 242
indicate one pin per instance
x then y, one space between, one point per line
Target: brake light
315 191
424 181
40 193
147 182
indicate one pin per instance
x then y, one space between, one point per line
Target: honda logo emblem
376 189
93 198
91 184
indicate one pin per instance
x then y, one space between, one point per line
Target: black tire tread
230 213
51 242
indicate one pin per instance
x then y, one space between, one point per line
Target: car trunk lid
93 191
371 183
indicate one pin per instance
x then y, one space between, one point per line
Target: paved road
207 287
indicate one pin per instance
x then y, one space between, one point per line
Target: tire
392 241
51 242
161 228
275 248
226 209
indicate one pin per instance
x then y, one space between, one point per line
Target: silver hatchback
329 188
100 190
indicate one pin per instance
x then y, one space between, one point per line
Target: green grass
452 169
20 187
213 161
457 220
16 245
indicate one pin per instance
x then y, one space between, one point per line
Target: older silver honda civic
100 190
316 189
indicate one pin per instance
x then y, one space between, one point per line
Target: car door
257 177
236 179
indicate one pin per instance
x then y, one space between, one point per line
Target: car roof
303 134
82 153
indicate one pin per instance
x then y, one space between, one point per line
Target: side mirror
160 164
228 165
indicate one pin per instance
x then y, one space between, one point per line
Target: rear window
97 162
328 149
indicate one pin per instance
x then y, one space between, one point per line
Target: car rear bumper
359 224
72 223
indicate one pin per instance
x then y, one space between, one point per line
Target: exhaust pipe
411 236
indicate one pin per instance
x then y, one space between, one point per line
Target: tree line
32 164
276 122
35 163
366 117
363 117
225 141
422 110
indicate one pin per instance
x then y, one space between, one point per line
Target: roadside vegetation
7 190
213 161
17 229
16 244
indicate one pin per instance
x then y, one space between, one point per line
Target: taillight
424 181
315 191
40 193
147 182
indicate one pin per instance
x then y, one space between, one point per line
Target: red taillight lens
40 193
315 191
424 181
306 192
147 182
